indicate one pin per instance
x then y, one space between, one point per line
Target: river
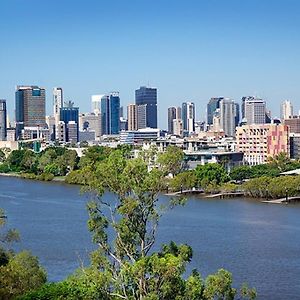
259 243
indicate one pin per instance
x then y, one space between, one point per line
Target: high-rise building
58 102
30 107
132 117
61 132
3 120
69 113
96 104
171 117
254 110
141 116
72 132
177 127
188 117
212 106
110 113
148 96
178 112
121 112
228 116
286 110
50 121
237 114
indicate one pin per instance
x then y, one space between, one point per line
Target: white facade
286 110
178 127
57 101
96 104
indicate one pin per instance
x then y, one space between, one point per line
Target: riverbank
10 174
34 177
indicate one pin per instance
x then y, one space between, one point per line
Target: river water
259 243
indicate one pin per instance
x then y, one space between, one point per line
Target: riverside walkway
186 192
226 195
285 200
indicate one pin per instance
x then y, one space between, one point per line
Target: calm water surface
259 243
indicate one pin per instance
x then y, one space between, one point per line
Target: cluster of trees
59 161
274 166
277 187
19 272
54 161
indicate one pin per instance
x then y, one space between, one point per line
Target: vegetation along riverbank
62 164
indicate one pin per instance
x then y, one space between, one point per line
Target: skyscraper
212 106
30 107
148 96
286 110
254 110
96 104
70 114
58 102
228 116
3 118
132 117
141 111
110 113
171 117
237 114
188 117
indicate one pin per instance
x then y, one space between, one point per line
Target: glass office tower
148 96
110 113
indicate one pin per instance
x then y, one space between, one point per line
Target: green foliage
171 160
278 187
22 273
241 173
209 174
42 177
84 284
126 266
2 156
93 155
229 187
7 237
273 168
4 168
185 180
48 291
218 286
22 160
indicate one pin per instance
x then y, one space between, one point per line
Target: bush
21 274
4 168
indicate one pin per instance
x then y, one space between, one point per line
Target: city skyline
189 52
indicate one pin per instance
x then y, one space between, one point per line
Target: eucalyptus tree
125 230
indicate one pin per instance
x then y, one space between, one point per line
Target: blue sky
189 50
